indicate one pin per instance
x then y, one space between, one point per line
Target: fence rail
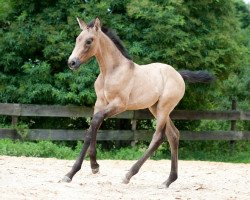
18 110
81 111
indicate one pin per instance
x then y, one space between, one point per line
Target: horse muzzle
74 63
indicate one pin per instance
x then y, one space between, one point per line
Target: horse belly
141 101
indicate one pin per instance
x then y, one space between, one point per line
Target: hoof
96 170
172 178
125 180
66 179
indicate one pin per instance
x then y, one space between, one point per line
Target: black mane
114 37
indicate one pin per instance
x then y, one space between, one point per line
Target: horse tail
197 76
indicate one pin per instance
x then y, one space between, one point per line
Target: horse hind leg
156 141
173 136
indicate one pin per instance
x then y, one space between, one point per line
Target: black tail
196 76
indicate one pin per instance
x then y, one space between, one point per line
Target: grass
36 149
207 150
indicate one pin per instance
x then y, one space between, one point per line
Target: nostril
73 63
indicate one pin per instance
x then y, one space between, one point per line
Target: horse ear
97 24
81 23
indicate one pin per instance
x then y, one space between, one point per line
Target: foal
124 85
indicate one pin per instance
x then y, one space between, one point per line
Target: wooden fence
18 110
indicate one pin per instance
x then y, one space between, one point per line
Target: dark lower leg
157 140
78 163
173 139
95 124
92 154
92 149
89 140
174 170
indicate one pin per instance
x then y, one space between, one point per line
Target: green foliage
5 9
36 39
212 151
39 149
22 130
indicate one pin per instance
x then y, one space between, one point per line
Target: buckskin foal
124 85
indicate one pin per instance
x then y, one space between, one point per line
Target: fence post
14 120
233 125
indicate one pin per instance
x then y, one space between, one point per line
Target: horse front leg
89 137
92 149
113 108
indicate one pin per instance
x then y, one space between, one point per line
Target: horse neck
108 55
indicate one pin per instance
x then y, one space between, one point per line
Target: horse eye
89 41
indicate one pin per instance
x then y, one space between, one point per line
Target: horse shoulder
99 82
116 84
120 78
101 101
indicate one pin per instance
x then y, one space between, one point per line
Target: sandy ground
38 178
